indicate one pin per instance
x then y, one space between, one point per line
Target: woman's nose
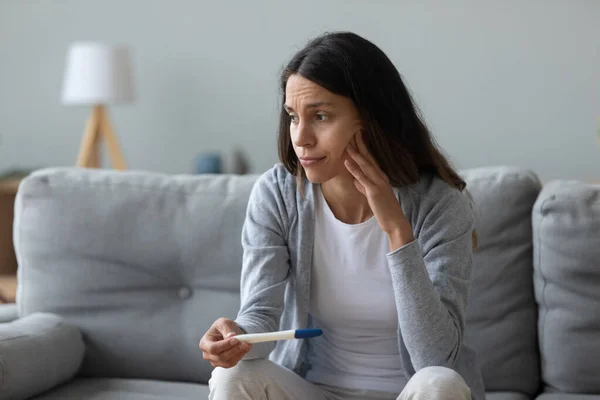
303 136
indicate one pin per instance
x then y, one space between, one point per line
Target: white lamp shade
97 74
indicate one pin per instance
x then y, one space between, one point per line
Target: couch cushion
142 263
568 396
37 352
8 312
125 389
505 396
502 314
566 231
130 389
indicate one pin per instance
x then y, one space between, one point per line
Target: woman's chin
316 176
323 172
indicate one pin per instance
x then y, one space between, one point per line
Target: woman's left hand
372 182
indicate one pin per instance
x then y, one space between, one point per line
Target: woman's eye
293 118
321 117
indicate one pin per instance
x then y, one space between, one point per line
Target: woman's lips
310 161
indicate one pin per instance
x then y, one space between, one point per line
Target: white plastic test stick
281 335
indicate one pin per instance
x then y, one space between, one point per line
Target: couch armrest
37 353
8 312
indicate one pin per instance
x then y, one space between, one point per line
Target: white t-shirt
352 301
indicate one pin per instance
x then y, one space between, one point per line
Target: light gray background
499 82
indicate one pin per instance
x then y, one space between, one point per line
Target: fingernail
230 334
234 341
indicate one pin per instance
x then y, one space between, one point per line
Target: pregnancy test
281 335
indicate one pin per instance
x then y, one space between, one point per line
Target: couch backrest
142 263
502 313
566 232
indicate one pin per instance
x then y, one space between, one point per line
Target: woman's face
322 125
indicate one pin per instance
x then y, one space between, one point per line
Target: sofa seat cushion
505 396
139 389
568 396
37 352
125 389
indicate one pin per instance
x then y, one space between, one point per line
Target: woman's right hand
219 345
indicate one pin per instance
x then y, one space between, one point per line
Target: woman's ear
353 143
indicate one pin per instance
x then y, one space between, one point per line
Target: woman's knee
436 383
244 374
247 368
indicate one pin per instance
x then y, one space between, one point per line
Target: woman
363 231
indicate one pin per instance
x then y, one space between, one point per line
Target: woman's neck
345 201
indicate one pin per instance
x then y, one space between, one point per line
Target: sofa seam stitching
83 186
514 176
542 327
21 273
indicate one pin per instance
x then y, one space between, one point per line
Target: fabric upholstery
506 396
37 352
8 312
126 389
568 396
142 263
123 389
502 314
566 232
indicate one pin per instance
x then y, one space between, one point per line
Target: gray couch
121 273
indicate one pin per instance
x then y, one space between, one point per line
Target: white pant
265 380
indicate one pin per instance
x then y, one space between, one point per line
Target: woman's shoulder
277 175
275 185
276 179
273 199
431 186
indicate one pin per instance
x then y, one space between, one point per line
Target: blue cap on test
307 333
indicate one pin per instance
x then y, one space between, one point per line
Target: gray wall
500 82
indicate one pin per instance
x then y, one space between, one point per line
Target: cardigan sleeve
431 280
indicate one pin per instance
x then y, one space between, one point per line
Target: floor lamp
96 75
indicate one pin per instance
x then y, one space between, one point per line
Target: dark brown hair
394 131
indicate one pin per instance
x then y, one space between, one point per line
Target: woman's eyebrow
310 105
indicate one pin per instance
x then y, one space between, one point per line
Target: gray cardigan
431 276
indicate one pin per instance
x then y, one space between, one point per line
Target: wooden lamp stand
98 128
